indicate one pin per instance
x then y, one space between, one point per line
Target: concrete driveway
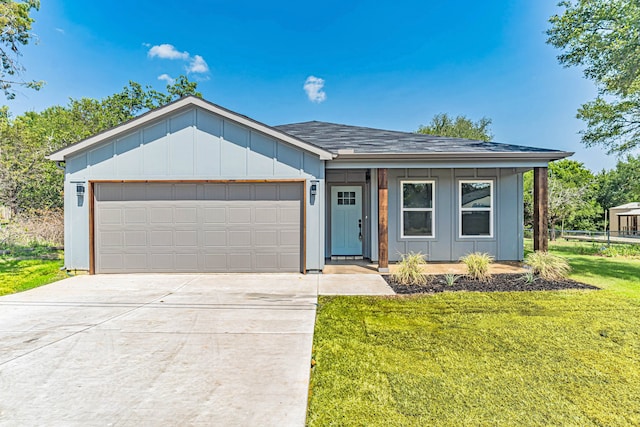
158 350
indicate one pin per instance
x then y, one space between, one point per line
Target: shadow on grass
607 268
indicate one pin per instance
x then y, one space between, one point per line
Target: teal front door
346 220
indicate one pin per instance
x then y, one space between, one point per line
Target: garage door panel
112 238
265 215
160 215
239 262
136 261
239 191
215 238
266 238
266 261
134 192
182 227
135 215
186 238
289 215
289 237
135 238
289 261
186 262
215 192
239 215
186 215
215 215
111 216
161 238
239 238
215 262
161 261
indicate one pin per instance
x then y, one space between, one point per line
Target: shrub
409 271
478 265
42 228
451 279
528 277
548 266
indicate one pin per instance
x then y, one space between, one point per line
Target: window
346 197
416 205
476 208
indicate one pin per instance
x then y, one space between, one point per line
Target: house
624 220
194 187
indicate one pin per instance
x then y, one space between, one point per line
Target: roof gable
175 108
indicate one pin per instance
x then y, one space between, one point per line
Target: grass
26 269
528 358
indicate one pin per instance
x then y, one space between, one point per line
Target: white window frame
491 209
432 209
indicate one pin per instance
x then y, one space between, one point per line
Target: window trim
432 209
491 209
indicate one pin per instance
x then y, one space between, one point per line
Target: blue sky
390 65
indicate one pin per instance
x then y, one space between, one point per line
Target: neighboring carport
158 350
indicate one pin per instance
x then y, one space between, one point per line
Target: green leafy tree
601 36
572 197
460 127
28 181
15 31
620 185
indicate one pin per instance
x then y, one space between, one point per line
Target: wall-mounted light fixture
314 187
80 189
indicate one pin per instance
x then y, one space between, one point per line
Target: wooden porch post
383 221
540 210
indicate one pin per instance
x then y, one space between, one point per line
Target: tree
460 127
620 185
572 197
30 182
602 37
15 27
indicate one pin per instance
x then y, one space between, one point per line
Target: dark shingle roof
333 137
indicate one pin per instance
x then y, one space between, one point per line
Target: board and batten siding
192 144
446 245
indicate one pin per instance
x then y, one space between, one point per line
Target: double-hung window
476 208
417 216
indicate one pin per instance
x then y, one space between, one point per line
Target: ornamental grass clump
548 266
409 270
478 265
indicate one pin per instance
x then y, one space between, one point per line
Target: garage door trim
91 198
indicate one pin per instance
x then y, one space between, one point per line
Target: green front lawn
529 358
20 271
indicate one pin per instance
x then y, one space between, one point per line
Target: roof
181 104
632 205
358 141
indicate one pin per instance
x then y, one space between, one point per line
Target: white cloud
198 65
60 30
167 78
167 51
313 86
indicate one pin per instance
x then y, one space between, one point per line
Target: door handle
360 229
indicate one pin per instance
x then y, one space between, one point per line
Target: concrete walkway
158 350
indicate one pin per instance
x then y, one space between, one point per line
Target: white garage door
198 227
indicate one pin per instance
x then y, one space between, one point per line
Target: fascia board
457 156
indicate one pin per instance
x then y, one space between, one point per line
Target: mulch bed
497 283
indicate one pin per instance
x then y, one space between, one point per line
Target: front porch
373 215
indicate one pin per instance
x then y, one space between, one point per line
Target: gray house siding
446 245
192 144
